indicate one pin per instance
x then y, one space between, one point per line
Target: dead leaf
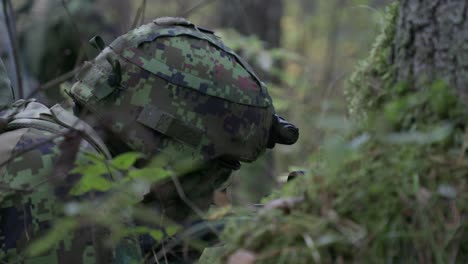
285 204
423 195
242 256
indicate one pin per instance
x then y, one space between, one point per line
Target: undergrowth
392 189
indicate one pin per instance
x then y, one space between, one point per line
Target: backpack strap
31 114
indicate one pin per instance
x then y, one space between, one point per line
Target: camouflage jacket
34 183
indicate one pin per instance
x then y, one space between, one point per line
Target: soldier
172 89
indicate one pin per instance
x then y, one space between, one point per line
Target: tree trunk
431 43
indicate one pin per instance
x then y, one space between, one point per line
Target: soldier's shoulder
26 152
30 145
35 183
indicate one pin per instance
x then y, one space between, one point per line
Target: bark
431 43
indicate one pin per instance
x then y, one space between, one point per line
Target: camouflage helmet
170 86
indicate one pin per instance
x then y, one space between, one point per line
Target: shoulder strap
30 114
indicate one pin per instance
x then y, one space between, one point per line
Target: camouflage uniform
33 189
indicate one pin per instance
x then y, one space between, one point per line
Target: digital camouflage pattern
33 189
180 90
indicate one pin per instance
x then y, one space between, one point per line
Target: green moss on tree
371 80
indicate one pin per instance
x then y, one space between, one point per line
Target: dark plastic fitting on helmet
282 132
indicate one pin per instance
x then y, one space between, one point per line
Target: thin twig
55 82
76 27
143 12
183 197
188 233
155 256
140 15
10 23
25 223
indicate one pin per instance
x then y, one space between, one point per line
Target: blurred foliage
114 203
299 67
378 194
386 185
390 188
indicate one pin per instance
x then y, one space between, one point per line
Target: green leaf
172 230
157 235
96 169
126 160
91 182
151 174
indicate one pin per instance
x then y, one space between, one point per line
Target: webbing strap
35 123
30 114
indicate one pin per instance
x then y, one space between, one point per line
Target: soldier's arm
31 202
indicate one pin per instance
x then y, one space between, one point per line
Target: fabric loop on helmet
98 43
30 114
168 125
95 76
